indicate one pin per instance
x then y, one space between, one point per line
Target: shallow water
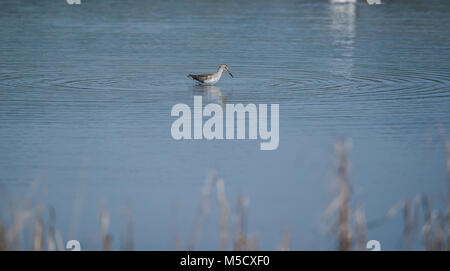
86 93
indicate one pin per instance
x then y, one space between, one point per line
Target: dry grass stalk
38 243
3 237
360 220
285 244
242 241
409 224
342 149
224 210
51 236
447 156
202 212
15 232
127 232
106 236
438 243
212 181
428 223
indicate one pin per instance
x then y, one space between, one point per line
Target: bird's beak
230 73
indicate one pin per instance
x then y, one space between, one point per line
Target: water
86 92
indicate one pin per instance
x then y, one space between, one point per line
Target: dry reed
350 228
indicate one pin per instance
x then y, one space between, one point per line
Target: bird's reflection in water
210 93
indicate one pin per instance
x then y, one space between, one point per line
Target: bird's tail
193 76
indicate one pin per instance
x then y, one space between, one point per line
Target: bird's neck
220 71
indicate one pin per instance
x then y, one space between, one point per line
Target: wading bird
212 78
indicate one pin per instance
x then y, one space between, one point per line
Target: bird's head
225 67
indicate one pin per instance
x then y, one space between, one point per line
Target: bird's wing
201 77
